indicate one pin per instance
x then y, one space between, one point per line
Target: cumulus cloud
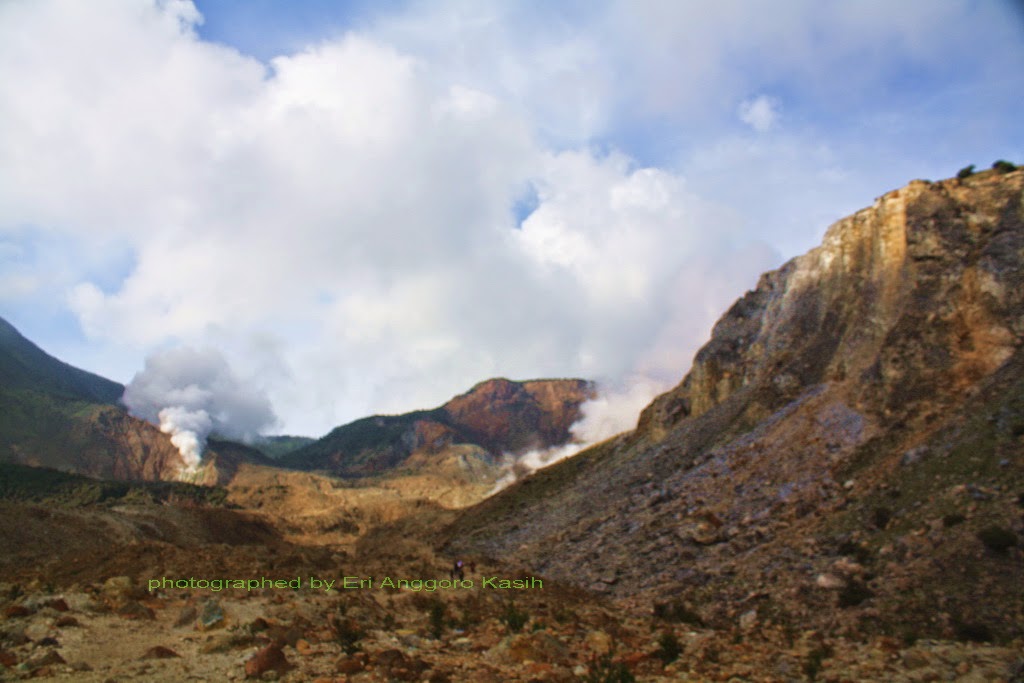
346 221
760 113
191 393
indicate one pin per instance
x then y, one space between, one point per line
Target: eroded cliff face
916 296
838 450
107 443
463 438
506 416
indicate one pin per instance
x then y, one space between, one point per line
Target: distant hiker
457 572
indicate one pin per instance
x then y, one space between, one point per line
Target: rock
829 582
286 635
58 604
914 659
160 652
226 642
598 642
7 658
350 664
270 658
396 665
748 620
536 647
848 567
49 658
211 615
117 586
65 621
257 625
14 636
913 455
17 612
135 610
186 616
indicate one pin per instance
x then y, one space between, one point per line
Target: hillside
846 453
24 366
58 416
467 434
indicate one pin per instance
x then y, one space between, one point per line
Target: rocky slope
463 438
846 453
55 415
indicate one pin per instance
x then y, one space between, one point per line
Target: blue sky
332 196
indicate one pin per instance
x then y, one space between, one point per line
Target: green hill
23 365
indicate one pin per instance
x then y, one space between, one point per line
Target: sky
349 208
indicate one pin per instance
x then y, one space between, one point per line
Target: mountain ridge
23 365
495 417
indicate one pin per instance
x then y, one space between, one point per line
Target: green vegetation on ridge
22 483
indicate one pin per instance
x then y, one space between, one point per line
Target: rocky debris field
118 630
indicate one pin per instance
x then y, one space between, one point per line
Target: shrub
965 172
812 667
513 618
973 632
854 594
1004 166
437 619
347 634
881 516
604 670
678 612
953 520
997 539
669 648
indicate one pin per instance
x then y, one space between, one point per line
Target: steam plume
614 410
191 393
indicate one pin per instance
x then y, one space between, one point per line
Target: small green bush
965 172
669 648
513 618
953 519
604 670
437 619
812 667
345 630
1004 166
972 632
854 594
881 516
997 539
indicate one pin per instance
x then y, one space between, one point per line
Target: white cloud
339 221
760 113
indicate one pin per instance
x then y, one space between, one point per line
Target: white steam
614 410
191 393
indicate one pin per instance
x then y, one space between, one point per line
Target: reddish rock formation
493 418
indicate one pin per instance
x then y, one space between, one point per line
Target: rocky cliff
846 452
922 289
469 432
